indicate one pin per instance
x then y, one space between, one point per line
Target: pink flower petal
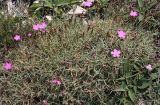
17 38
149 67
29 34
121 34
40 26
56 82
115 53
133 13
86 3
7 66
36 27
44 102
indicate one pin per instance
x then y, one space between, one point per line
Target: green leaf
154 76
48 4
157 14
125 101
35 5
126 67
122 78
37 10
140 17
132 95
140 3
135 89
142 84
104 2
64 2
121 89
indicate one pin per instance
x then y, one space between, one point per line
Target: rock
16 8
10 7
77 10
49 18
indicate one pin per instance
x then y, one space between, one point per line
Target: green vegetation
79 55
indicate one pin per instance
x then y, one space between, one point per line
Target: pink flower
121 34
133 13
44 102
116 53
43 25
17 37
29 34
40 26
86 4
35 27
7 66
56 82
149 67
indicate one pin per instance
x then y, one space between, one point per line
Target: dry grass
80 57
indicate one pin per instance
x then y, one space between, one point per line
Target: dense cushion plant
65 62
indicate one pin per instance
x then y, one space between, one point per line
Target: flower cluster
40 26
122 35
116 53
7 66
